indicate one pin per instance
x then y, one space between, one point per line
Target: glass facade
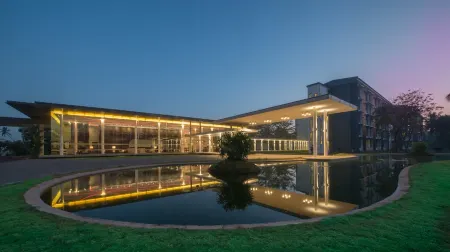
84 134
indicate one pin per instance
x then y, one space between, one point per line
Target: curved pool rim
33 198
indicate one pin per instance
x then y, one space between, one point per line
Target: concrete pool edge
33 198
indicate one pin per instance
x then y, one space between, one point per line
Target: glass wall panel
56 134
118 138
147 138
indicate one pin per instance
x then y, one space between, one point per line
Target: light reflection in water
281 187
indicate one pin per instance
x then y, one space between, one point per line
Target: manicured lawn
420 221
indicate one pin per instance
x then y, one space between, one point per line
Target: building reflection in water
300 189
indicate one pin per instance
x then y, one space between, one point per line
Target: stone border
33 198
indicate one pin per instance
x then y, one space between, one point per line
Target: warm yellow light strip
56 198
134 118
55 117
129 195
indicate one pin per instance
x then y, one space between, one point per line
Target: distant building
348 132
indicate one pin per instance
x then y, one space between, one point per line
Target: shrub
235 146
419 148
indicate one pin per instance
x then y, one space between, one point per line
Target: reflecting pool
189 195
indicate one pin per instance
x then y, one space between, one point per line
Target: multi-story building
354 131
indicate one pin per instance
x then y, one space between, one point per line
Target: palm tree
448 97
6 132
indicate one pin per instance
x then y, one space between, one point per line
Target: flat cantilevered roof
42 110
293 110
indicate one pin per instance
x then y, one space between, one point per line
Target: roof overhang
290 111
41 110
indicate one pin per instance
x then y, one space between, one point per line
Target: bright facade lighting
285 118
268 192
286 196
267 121
307 201
253 123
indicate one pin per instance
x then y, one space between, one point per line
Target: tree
448 97
235 146
418 100
404 122
407 117
32 139
284 129
6 132
439 127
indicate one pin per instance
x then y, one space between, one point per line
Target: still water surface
188 195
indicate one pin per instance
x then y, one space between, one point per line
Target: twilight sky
214 59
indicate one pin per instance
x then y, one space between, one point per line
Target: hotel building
354 131
81 130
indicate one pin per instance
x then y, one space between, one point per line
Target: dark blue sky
213 59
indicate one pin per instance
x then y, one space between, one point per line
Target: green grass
420 221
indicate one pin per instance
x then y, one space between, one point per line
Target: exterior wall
344 129
361 130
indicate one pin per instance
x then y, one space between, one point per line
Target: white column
102 129
262 147
314 133
159 138
76 186
190 137
182 138
61 135
75 138
279 145
268 144
209 143
325 133
200 143
254 144
136 138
